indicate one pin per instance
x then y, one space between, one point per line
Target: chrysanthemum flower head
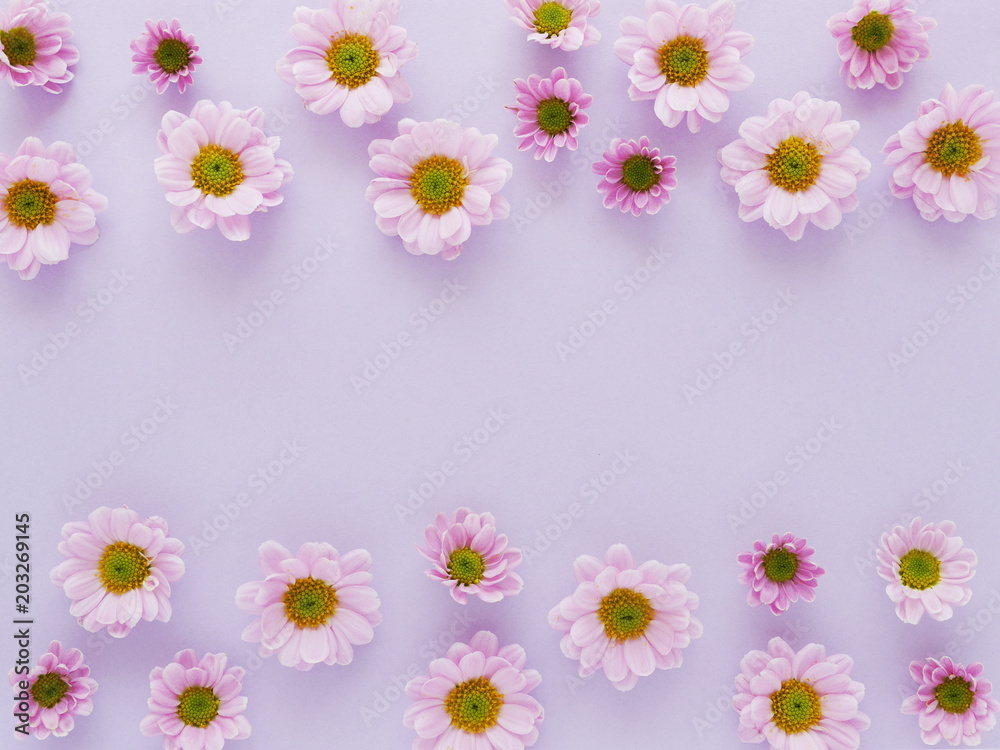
59 689
196 704
561 24
635 177
928 570
167 54
626 618
779 572
879 40
685 58
34 46
953 701
948 159
551 113
476 697
118 569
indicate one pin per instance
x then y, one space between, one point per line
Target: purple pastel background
516 340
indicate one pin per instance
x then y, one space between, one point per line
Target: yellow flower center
172 55
19 45
794 165
552 18
310 603
953 149
955 695
438 184
49 689
123 567
466 566
873 32
216 171
198 706
684 61
474 705
625 614
352 59
796 707
29 203
919 569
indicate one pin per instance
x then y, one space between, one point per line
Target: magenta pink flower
475 698
34 46
57 691
196 704
687 59
314 606
635 177
551 113
561 24
118 570
879 40
349 57
928 570
779 573
434 182
629 619
167 54
218 166
47 203
470 557
953 702
948 159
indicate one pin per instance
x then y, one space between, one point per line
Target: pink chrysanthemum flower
196 704
635 177
349 57
434 182
313 606
476 697
779 573
561 24
218 166
879 40
928 570
795 165
687 59
58 690
470 557
34 46
799 700
629 619
118 570
167 54
953 702
47 204
551 113
948 159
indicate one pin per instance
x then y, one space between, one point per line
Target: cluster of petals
41 36
66 665
614 184
779 595
535 92
954 726
579 32
144 51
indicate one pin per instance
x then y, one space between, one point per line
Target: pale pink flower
56 691
561 24
551 113
879 40
118 570
953 702
928 570
635 177
476 697
314 607
34 46
167 54
196 704
948 159
349 57
779 573
629 619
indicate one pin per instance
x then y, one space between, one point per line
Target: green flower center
625 614
310 603
955 695
466 566
552 18
49 689
794 165
796 707
780 565
29 203
639 173
123 567
352 59
197 706
438 184
19 45
919 569
474 705
216 171
554 116
684 61
172 55
873 32
953 148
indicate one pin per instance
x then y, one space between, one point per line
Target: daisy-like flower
635 177
561 24
434 182
58 690
118 570
879 40
476 697
470 557
167 54
799 700
928 570
218 167
195 704
629 619
779 573
687 59
47 204
34 46
551 113
795 165
953 702
313 606
948 159
349 57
